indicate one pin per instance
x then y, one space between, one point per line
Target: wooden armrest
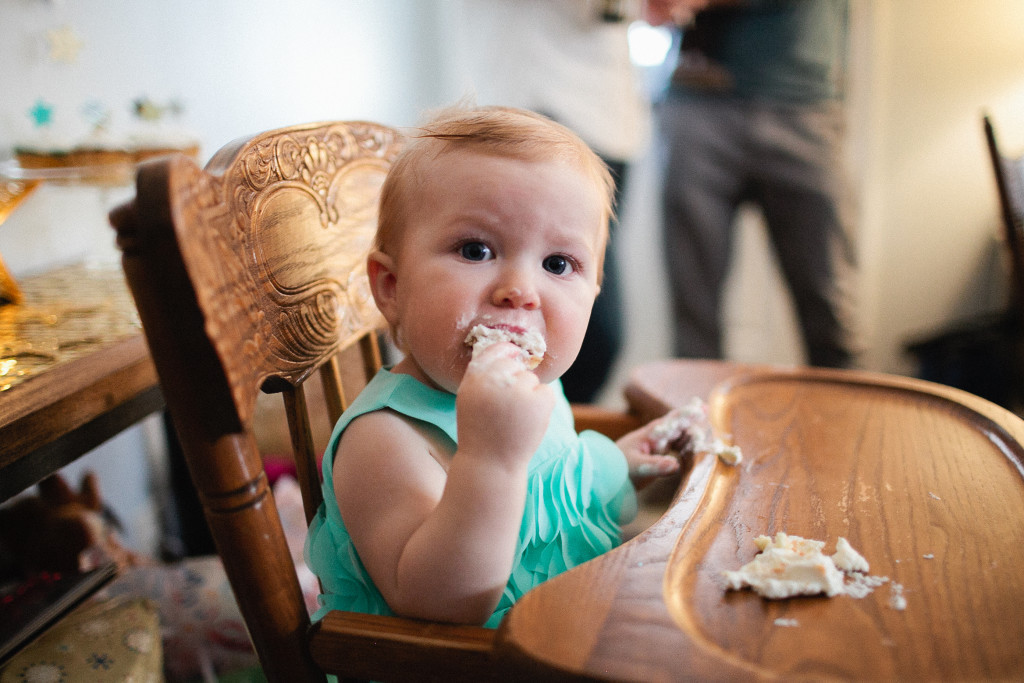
612 423
395 648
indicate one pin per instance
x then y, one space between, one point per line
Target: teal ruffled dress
578 495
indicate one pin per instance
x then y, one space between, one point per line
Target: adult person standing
754 114
568 60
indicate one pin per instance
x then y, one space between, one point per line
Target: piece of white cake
787 566
530 342
790 565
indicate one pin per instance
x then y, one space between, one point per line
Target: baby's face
498 242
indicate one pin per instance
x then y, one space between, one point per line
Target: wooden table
74 372
925 481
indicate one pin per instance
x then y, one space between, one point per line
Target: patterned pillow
200 623
116 639
203 630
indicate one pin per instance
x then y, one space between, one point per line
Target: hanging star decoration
148 110
41 113
96 114
64 44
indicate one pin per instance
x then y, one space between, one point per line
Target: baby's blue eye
475 251
557 264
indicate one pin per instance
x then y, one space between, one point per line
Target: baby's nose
516 291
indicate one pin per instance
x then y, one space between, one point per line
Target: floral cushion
202 629
115 639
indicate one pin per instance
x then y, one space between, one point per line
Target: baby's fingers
643 466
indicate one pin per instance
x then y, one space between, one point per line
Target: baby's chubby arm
439 545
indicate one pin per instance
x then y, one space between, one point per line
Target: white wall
930 220
238 66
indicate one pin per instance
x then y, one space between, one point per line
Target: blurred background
921 74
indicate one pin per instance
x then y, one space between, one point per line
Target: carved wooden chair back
249 276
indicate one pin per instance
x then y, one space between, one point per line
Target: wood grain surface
925 481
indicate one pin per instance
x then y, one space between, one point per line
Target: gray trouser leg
722 152
801 186
702 189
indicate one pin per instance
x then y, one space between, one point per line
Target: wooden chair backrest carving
249 275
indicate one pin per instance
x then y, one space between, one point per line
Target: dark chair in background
986 355
1009 176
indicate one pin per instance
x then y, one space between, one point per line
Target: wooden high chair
249 275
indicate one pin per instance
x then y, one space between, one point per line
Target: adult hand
678 12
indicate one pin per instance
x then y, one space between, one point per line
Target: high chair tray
926 482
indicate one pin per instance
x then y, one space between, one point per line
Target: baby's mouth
530 342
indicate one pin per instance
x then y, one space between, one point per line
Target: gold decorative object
64 314
64 44
12 193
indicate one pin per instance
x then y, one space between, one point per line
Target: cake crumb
896 599
847 559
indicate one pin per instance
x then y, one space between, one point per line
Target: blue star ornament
41 113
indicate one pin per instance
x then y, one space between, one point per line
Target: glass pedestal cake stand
18 182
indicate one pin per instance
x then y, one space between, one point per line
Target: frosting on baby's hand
689 428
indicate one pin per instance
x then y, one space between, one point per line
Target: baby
455 481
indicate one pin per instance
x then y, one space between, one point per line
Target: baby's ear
383 284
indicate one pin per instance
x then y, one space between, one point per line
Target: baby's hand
653 450
644 464
503 409
683 430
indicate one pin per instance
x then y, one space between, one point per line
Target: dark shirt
788 51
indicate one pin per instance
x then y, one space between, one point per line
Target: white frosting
787 566
530 342
847 559
688 428
68 139
791 565
896 599
862 585
161 136
730 455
